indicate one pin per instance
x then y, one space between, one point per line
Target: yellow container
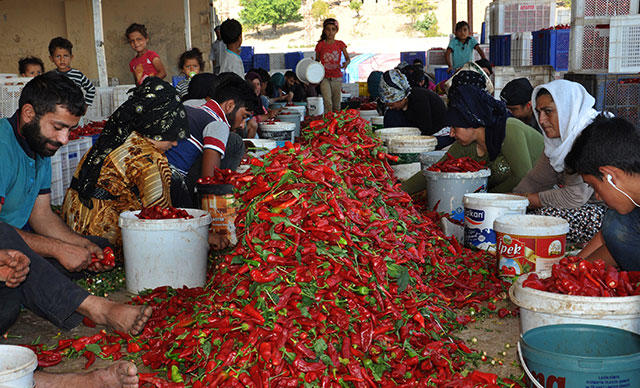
363 89
221 208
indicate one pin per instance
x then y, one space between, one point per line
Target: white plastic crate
276 61
70 157
436 57
57 187
521 54
537 75
602 8
120 95
485 49
624 44
589 45
509 16
9 97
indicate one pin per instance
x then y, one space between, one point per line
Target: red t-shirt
329 55
147 63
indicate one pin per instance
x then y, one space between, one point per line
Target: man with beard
213 142
50 105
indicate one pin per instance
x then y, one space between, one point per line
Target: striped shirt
183 87
83 82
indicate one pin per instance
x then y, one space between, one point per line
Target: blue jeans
621 234
48 290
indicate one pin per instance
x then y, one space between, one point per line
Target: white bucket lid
508 201
16 362
262 143
435 175
295 108
397 131
368 112
130 220
310 70
278 126
531 225
314 100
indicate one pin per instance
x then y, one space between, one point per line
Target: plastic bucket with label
428 159
280 131
408 150
580 356
310 71
219 201
17 364
315 105
446 189
527 243
481 210
368 114
170 252
543 308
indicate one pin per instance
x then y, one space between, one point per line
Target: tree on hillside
355 5
256 13
413 8
319 10
428 25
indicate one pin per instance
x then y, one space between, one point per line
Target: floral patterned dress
133 176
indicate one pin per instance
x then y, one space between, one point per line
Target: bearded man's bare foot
122 374
119 316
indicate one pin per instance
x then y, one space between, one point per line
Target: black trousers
48 289
182 187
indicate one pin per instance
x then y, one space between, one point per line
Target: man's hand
97 251
289 97
14 267
218 241
74 258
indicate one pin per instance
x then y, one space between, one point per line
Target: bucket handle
526 370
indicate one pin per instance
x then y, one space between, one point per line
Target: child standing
146 62
328 52
190 63
230 60
461 47
30 67
60 53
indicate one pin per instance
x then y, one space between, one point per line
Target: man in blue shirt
50 105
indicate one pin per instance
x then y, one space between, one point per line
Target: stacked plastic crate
521 49
507 16
63 166
246 53
591 29
551 47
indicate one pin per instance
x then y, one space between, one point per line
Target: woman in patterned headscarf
126 168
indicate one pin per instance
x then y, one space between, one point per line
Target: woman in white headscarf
563 109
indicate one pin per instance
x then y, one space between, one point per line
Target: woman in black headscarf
126 168
484 131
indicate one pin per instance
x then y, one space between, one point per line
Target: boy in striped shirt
61 56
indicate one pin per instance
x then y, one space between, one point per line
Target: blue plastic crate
246 53
483 33
551 47
500 50
176 79
248 65
410 56
292 59
442 74
261 61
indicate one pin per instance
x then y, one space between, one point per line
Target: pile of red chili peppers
90 129
220 177
451 164
162 213
337 281
574 276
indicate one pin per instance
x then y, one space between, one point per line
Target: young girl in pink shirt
146 62
328 52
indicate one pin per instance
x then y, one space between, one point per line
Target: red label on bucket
521 254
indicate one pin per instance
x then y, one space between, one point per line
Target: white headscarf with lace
575 111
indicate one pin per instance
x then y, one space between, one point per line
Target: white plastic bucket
385 134
299 109
481 210
446 189
527 243
315 105
428 159
377 122
285 129
17 364
368 114
257 148
408 150
170 252
310 71
541 308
